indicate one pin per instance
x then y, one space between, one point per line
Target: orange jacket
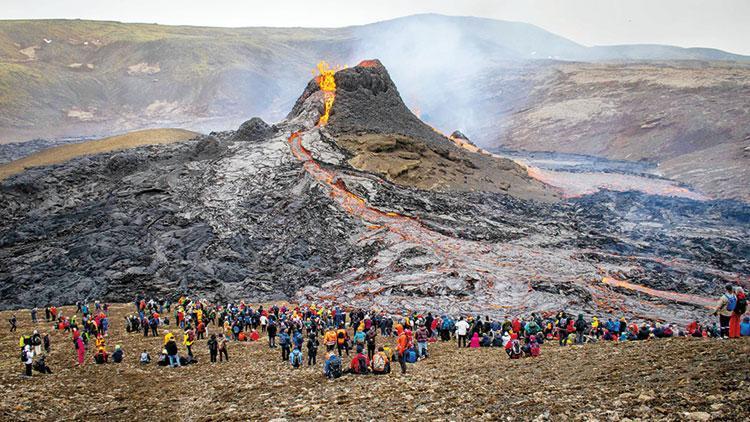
330 338
404 343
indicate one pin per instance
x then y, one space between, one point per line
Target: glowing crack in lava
674 296
327 83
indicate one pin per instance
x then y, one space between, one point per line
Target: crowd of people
297 333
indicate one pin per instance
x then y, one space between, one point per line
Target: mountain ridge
99 77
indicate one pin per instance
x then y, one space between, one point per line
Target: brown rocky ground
411 162
690 118
667 380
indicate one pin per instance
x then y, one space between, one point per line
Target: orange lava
369 63
327 83
673 296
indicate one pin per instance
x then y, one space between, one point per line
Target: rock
253 130
645 397
697 416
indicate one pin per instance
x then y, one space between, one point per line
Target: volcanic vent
379 134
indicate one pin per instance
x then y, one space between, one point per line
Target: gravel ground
673 379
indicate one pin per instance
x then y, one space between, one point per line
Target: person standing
312 349
370 339
740 308
79 347
27 357
172 352
725 309
404 344
33 315
422 336
213 347
13 321
187 340
36 341
223 353
271 334
562 325
581 328
462 328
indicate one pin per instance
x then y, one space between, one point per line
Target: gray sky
723 24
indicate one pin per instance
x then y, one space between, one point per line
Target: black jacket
171 347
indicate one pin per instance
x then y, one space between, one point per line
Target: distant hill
63 153
75 78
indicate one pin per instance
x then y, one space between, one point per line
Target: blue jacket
298 339
284 339
327 366
295 354
745 327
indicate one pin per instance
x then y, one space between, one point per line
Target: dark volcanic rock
253 130
367 100
213 217
457 134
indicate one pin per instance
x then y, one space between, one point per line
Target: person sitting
497 340
118 354
485 341
381 364
534 349
163 358
41 366
513 349
745 327
101 356
145 358
254 336
332 366
360 364
474 343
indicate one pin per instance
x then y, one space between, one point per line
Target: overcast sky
723 24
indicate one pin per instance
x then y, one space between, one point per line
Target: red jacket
354 366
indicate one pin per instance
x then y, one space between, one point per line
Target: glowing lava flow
499 275
677 297
327 83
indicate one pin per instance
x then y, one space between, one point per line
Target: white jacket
462 327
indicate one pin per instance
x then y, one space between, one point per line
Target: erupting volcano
353 198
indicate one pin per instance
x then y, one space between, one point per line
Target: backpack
741 306
378 363
335 369
24 356
535 350
361 365
731 302
411 356
341 337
